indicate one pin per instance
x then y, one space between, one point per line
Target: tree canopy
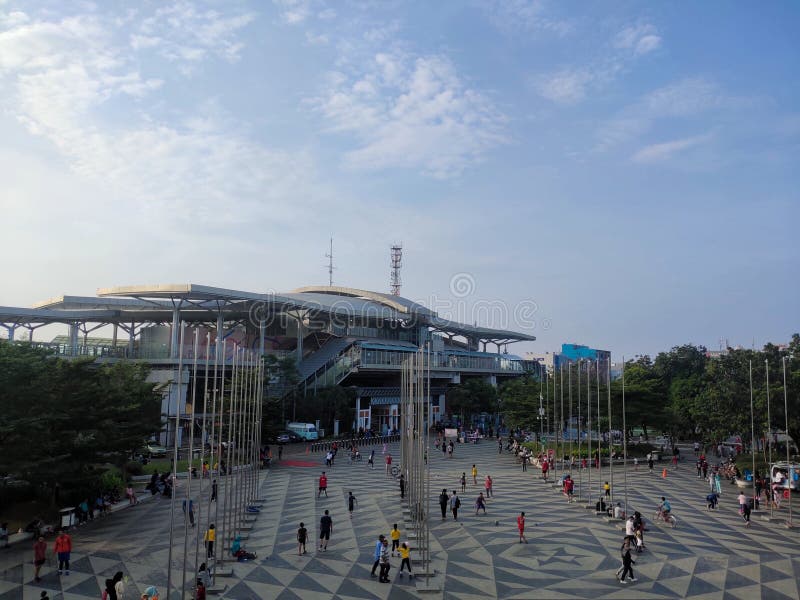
62 418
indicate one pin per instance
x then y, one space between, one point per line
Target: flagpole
767 438
752 434
580 453
589 426
788 439
624 430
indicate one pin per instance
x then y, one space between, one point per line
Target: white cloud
182 33
683 99
316 39
58 74
564 87
571 85
412 113
524 16
294 11
640 39
664 151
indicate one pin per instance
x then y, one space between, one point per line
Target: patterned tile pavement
572 553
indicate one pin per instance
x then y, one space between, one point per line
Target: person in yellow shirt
607 489
404 551
210 537
474 475
395 535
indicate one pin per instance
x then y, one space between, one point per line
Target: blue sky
620 174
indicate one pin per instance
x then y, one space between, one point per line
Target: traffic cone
664 473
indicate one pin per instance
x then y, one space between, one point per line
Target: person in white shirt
618 512
629 528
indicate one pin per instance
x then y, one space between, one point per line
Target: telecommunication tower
397 261
329 256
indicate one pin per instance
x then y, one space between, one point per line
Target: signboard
450 432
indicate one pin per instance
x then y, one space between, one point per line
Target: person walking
63 548
209 538
191 510
377 554
480 503
302 535
444 499
213 490
521 527
351 502
450 447
607 490
627 561
746 514
388 465
524 457
402 486
499 445
39 556
323 485
545 468
371 459
395 535
474 475
404 551
487 485
115 588
455 504
385 564
463 482
325 530
650 463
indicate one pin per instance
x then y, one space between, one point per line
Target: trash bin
67 517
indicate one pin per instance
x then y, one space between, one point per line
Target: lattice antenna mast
397 261
329 256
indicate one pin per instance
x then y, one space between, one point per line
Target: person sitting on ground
240 553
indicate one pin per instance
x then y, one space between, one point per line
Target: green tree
520 403
471 397
64 419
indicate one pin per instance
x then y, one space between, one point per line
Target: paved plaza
572 552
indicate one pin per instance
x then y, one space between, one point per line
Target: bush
111 481
133 467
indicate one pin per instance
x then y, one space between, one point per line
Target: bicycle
660 515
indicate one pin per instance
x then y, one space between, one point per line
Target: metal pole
767 437
175 464
589 425
580 437
624 430
788 439
189 464
599 432
200 496
560 450
217 445
610 432
752 434
569 378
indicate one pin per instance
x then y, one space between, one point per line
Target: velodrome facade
337 336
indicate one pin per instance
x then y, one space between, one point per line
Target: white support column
173 343
131 335
114 336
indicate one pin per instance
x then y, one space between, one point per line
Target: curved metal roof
398 303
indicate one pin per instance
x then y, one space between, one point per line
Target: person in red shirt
545 467
323 485
39 555
521 527
63 547
388 464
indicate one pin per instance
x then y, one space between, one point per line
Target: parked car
282 438
152 450
293 437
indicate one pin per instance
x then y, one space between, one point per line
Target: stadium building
337 336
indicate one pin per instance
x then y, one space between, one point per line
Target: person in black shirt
302 533
325 530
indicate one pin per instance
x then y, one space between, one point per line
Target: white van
307 431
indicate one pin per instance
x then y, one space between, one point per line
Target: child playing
395 535
302 534
404 551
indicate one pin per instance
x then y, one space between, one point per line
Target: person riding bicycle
665 508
